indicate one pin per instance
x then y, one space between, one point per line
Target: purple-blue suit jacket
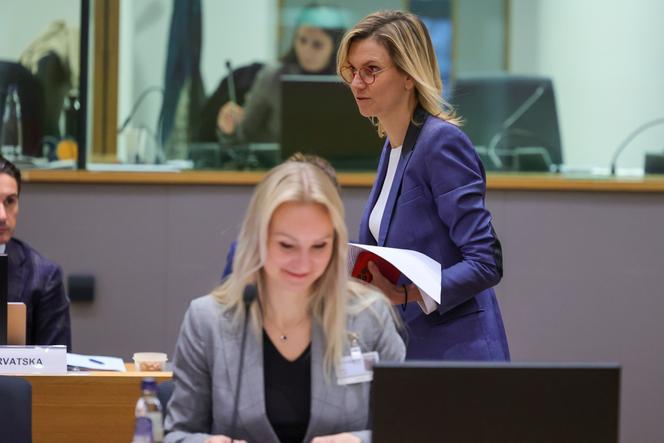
37 282
436 206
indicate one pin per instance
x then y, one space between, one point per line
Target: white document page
95 362
422 270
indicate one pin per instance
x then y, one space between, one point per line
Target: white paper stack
422 270
95 363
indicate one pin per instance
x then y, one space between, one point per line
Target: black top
287 392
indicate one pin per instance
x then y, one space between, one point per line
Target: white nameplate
50 360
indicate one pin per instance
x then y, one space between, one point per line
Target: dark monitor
512 120
31 100
654 163
4 297
319 116
429 402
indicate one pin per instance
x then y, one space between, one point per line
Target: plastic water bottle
148 426
11 137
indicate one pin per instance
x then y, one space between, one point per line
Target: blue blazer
436 207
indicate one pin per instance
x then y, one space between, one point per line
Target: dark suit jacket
37 282
436 207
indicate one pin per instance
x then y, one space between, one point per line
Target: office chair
31 99
512 120
15 410
54 80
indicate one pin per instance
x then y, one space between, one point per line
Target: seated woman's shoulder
207 306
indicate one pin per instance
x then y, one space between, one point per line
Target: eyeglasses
367 75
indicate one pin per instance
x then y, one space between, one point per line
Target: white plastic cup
150 361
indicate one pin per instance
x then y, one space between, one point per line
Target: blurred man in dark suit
33 279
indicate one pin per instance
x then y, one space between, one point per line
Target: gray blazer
205 372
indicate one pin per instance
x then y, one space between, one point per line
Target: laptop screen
16 323
495 402
319 116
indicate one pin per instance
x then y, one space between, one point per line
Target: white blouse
428 304
379 208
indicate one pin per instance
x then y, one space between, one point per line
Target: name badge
356 353
356 370
33 360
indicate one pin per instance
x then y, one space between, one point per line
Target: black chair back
15 410
164 392
512 120
31 98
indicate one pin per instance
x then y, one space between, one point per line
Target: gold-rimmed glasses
367 74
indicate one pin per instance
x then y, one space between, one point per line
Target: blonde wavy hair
408 42
333 295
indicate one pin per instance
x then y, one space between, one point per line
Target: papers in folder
94 363
422 270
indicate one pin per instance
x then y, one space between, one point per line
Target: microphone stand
629 139
249 295
160 152
137 103
4 279
509 121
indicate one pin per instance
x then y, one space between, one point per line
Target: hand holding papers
361 267
423 271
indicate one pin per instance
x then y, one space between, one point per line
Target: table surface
87 406
495 180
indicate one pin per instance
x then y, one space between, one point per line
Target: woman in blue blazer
429 191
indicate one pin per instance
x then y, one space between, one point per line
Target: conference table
87 406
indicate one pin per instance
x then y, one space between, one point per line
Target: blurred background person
319 30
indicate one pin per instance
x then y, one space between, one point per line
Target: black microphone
509 121
4 279
232 94
137 103
630 137
248 296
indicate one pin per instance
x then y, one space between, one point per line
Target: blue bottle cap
149 384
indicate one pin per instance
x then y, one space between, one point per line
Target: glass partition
42 85
205 84
209 85
605 64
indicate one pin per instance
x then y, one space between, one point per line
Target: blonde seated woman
307 316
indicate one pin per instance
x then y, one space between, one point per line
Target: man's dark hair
7 167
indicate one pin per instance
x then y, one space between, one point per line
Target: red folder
361 269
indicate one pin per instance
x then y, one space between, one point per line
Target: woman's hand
394 293
222 439
337 438
230 114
